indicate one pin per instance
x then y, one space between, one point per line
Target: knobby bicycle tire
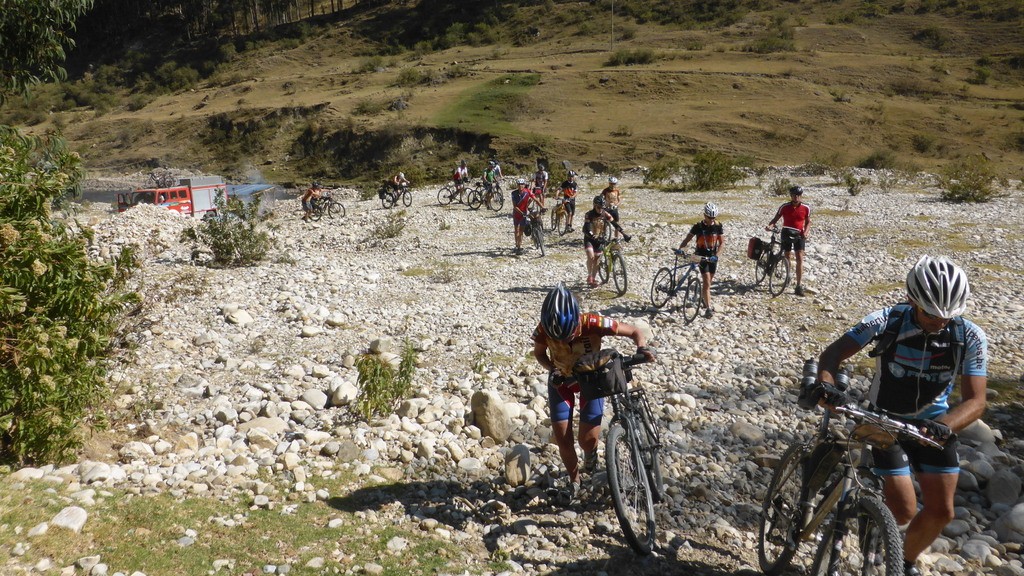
336 208
630 491
387 200
781 513
778 276
317 212
538 236
619 274
444 195
555 220
474 198
652 455
495 200
868 542
407 198
691 299
663 287
602 268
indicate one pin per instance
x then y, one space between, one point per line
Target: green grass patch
492 106
144 533
881 288
834 213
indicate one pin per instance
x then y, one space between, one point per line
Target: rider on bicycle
928 345
522 198
569 190
710 238
563 335
796 223
594 236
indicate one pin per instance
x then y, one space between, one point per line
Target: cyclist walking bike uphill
710 239
796 222
492 175
563 335
522 197
612 197
396 183
922 346
569 190
595 236
540 180
314 191
461 177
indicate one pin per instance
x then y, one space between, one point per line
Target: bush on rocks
382 386
235 236
969 180
58 309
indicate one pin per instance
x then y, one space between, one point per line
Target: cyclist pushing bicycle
710 239
522 198
564 334
596 222
921 347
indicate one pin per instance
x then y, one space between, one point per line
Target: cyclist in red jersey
562 336
522 197
796 224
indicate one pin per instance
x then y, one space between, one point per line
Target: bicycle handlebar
899 428
636 358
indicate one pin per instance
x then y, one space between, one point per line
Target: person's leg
519 236
591 264
705 288
799 267
561 433
937 492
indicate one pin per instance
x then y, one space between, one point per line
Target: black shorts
792 241
614 212
570 205
597 244
708 267
902 456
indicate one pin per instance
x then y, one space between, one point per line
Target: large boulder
490 415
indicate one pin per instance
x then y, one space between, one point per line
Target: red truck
192 196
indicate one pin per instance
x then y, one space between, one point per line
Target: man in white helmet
922 347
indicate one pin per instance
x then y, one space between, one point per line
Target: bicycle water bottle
808 385
843 379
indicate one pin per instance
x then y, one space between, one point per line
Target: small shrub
370 65
1016 142
780 187
631 57
392 226
370 106
968 180
922 143
410 77
710 170
663 169
879 159
888 181
854 185
381 385
445 273
932 37
981 75
623 131
235 235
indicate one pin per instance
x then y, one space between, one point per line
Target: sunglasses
931 316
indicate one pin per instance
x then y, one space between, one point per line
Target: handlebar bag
755 246
600 374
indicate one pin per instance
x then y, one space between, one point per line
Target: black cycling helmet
572 174
560 313
796 190
316 184
599 200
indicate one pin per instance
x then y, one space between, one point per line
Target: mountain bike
772 264
493 198
560 215
632 449
326 204
389 196
681 277
451 192
823 490
613 265
535 227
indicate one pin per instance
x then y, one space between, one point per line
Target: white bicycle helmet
710 210
938 286
520 181
401 175
613 180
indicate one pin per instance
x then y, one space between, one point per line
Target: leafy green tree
33 36
58 307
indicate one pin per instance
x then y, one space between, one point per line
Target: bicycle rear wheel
318 211
387 199
407 198
663 287
474 198
631 494
778 276
761 268
444 195
619 274
867 543
781 513
495 200
691 299
602 268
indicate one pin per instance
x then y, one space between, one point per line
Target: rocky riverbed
242 380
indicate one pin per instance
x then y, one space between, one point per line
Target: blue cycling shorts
562 396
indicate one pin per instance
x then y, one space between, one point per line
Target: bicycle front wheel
336 208
474 198
867 543
495 200
778 276
662 288
318 212
630 492
538 236
652 456
691 299
556 218
781 513
602 268
407 198
619 274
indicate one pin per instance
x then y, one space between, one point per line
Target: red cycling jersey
593 327
794 216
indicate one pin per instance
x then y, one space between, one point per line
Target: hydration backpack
886 341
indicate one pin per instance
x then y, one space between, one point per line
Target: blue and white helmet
560 314
710 210
938 286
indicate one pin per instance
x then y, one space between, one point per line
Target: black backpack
886 341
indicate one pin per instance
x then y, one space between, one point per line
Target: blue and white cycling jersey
917 376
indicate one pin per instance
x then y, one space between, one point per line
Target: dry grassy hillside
911 91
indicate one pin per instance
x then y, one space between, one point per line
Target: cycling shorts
518 219
307 205
570 205
902 456
613 211
598 245
562 396
792 241
708 267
